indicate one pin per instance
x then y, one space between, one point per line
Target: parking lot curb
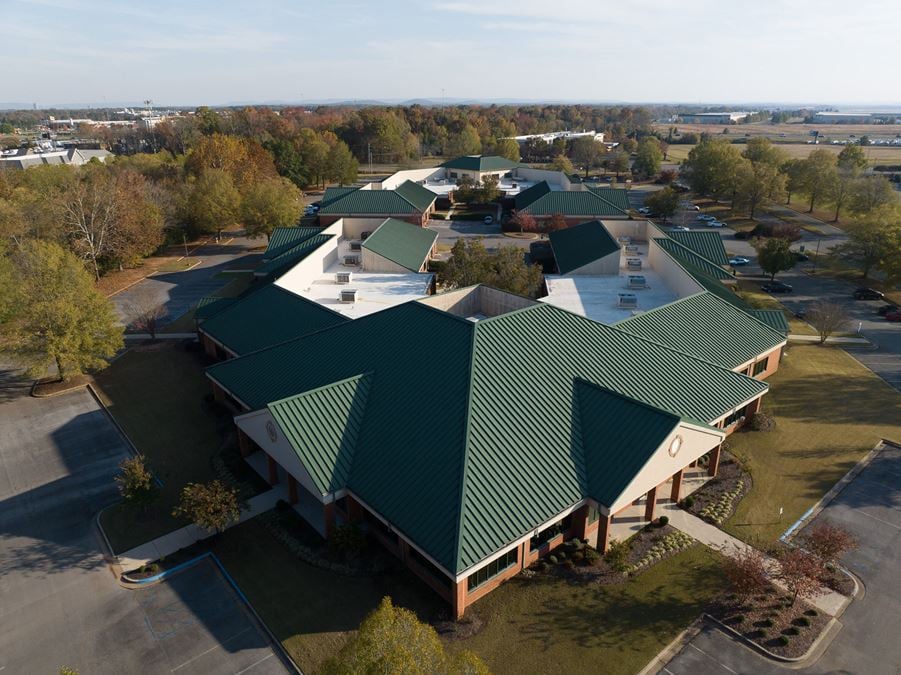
669 652
811 655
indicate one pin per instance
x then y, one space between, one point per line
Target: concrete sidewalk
172 542
829 340
829 601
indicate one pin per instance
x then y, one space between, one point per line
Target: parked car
893 316
738 261
777 287
863 293
644 210
488 220
706 216
887 309
801 257
680 228
715 223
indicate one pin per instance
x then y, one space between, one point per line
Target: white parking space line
255 663
885 522
719 663
213 648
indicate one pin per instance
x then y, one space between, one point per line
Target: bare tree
827 317
89 215
145 310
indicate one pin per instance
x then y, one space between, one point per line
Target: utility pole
369 151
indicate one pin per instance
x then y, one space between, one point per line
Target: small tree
774 256
800 573
554 223
745 570
136 484
213 506
663 203
393 640
145 310
828 542
827 317
562 163
523 222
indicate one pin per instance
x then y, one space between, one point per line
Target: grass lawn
830 411
157 394
543 624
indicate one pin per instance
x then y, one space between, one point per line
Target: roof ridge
659 307
666 237
605 200
321 387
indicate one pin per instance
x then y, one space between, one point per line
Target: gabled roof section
291 255
685 256
265 317
322 425
540 200
708 328
774 318
407 198
417 195
703 242
616 196
719 289
480 163
333 194
619 435
581 244
209 305
403 243
284 238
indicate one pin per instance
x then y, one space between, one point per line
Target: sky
203 52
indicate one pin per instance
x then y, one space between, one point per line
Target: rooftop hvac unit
633 263
628 301
631 248
624 240
350 295
356 246
638 281
343 277
351 261
364 235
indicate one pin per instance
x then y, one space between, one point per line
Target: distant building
715 117
24 159
856 118
552 136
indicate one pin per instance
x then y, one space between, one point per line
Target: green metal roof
267 316
716 287
407 198
540 200
209 306
481 163
705 243
284 238
687 257
619 197
291 255
499 431
581 244
333 194
403 243
322 425
707 327
774 318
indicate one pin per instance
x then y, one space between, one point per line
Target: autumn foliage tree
393 640
800 572
211 506
828 542
745 570
135 482
554 223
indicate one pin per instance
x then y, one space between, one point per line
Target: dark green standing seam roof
714 286
540 200
707 327
481 163
285 238
531 195
685 256
292 255
407 198
333 194
616 196
266 317
704 243
500 431
774 318
322 425
581 244
402 243
209 305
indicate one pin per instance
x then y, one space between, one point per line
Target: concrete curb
828 630
667 654
34 385
134 449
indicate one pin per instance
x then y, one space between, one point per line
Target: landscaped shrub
761 632
578 556
738 618
760 421
591 555
718 511
811 612
791 630
568 564
347 541
617 553
802 621
662 521
688 502
767 622
553 559
783 640
561 555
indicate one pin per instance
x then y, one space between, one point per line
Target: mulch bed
767 619
51 387
731 479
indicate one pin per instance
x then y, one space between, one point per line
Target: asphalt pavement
59 601
867 644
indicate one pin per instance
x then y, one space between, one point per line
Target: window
593 514
491 570
760 366
737 416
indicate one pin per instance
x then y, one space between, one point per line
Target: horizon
642 52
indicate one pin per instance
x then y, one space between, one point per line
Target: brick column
579 528
329 516
604 533
651 504
244 444
753 407
676 493
459 603
272 466
714 464
292 490
354 510
218 394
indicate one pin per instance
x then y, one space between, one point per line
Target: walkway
829 340
172 542
829 602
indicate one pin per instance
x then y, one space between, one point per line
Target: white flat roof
509 186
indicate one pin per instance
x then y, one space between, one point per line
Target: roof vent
351 261
365 235
624 240
633 263
356 246
627 301
343 277
637 281
631 248
350 295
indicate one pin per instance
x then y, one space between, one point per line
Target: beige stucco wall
636 229
609 264
373 262
671 272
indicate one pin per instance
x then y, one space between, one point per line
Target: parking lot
870 508
59 601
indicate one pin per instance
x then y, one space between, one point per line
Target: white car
706 216
644 210
680 228
715 223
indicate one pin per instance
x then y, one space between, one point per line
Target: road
870 508
177 292
59 602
